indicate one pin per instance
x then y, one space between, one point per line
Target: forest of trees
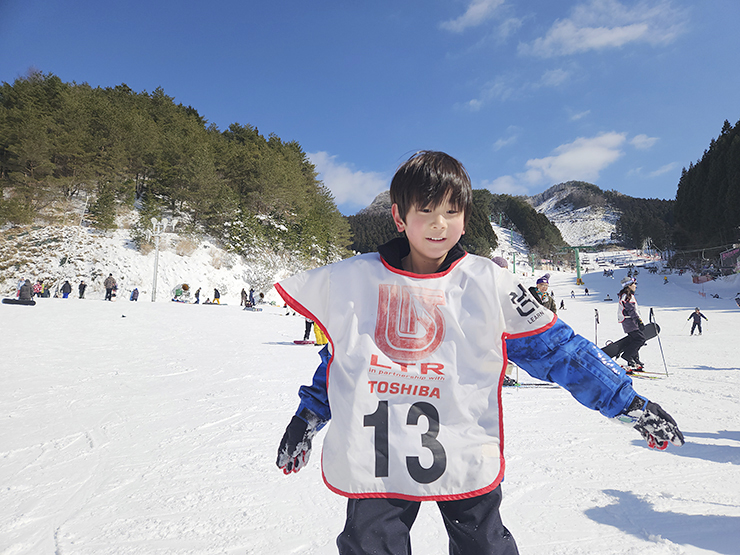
640 219
708 198
60 140
118 147
542 236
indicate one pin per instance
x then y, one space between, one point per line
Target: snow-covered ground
152 428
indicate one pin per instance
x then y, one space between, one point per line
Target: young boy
419 336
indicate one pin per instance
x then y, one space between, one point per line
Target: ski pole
652 319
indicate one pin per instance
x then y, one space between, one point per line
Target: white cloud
643 142
582 160
506 185
513 136
554 78
664 169
478 11
604 24
500 88
579 115
347 184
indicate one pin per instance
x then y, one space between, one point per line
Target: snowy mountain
593 224
590 225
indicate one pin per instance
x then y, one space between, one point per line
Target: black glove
656 425
295 447
640 325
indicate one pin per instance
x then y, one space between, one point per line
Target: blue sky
620 93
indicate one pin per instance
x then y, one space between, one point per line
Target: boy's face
431 234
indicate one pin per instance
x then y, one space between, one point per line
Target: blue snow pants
383 526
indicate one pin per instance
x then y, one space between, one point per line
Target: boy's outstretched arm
312 414
594 379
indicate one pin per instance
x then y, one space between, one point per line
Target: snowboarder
541 293
134 294
244 299
216 296
197 296
562 305
697 316
386 380
81 289
110 285
251 297
632 324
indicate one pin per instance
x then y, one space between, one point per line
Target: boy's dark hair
427 179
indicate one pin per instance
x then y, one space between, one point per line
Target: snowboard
302 342
252 309
18 301
616 348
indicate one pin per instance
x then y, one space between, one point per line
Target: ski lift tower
158 228
579 281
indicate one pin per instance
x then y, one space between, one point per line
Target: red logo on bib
410 326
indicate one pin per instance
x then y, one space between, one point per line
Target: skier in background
81 289
697 316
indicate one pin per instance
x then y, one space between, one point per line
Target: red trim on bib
391 495
422 276
303 311
529 333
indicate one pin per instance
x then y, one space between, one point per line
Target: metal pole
156 263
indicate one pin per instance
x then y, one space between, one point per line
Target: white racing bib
414 383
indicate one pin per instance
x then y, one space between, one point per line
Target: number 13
379 421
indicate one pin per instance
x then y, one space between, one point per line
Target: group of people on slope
42 289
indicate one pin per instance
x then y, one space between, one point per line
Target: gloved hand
295 447
656 425
640 325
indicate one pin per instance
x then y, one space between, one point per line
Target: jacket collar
396 249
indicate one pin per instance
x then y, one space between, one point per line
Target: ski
541 385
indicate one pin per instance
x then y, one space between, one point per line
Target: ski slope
152 428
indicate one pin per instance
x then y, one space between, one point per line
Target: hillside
592 224
74 253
